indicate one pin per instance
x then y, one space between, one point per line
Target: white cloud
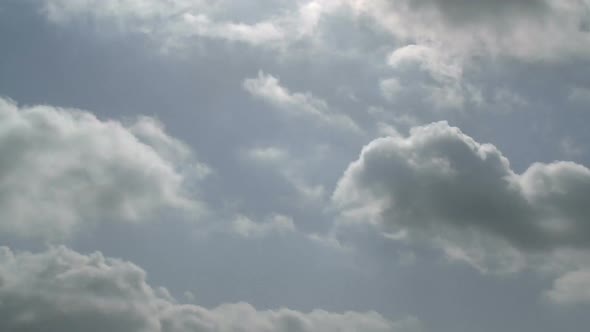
439 65
268 88
439 183
173 22
61 290
385 129
257 34
531 30
271 154
62 168
61 11
435 75
571 288
277 223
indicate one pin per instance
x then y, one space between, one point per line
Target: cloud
571 288
428 59
62 290
529 30
260 33
174 23
62 168
441 184
61 11
526 29
268 89
290 169
427 74
279 224
182 22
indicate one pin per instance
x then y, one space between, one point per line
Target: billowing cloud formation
61 290
439 181
62 167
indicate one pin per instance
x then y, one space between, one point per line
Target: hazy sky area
294 165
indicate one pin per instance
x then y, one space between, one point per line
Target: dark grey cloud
62 290
438 179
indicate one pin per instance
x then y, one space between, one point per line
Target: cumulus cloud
441 183
269 89
62 168
62 290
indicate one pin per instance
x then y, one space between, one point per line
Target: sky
294 165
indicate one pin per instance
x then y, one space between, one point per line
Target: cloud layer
532 30
62 168
62 290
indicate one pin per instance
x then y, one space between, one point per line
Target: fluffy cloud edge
269 89
64 168
443 187
62 290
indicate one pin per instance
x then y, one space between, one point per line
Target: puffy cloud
571 288
442 184
62 290
429 74
61 168
268 88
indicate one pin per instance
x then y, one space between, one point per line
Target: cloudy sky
294 165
